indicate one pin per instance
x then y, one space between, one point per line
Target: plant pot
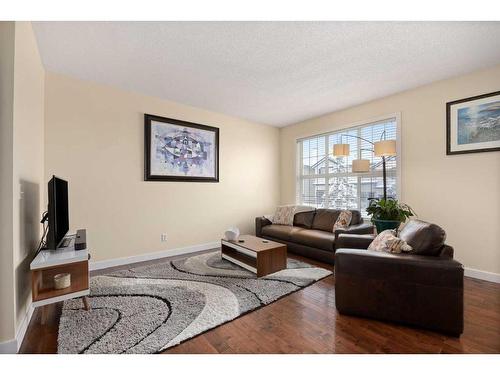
382 225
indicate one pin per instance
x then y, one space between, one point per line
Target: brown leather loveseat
423 289
311 234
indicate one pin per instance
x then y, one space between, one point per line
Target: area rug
148 309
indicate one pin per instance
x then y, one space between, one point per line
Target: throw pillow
388 242
284 215
269 217
343 220
397 245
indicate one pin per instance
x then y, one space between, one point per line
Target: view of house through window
326 181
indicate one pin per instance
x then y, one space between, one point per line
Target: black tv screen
57 212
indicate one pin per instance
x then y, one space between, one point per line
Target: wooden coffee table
256 254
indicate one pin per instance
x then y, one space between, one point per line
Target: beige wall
94 138
459 192
22 121
7 42
28 176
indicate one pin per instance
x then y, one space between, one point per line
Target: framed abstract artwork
473 124
177 150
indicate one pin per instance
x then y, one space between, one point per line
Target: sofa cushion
324 219
314 238
425 238
304 219
281 232
356 217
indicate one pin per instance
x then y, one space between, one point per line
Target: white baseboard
8 347
100 264
482 275
23 327
13 346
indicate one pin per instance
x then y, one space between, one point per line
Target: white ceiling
275 73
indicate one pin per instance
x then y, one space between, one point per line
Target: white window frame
346 128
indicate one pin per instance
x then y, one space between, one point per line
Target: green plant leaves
389 209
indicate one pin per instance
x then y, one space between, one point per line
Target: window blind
325 181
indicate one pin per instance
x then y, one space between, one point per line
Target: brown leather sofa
311 234
423 289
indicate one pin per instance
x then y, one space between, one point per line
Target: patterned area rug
150 308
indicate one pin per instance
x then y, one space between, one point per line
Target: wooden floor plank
307 322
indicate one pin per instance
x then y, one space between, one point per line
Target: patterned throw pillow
284 215
343 220
388 242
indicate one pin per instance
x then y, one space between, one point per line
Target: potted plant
388 213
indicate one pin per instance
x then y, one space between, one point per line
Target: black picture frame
448 125
148 176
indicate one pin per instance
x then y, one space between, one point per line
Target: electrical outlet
163 237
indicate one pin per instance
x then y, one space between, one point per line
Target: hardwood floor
307 322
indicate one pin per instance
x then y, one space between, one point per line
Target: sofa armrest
363 228
353 241
424 291
406 268
260 222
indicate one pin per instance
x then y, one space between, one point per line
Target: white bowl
232 234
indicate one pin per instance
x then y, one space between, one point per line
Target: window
325 181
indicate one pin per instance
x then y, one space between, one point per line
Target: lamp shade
385 148
361 165
341 149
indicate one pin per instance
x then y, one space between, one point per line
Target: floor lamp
382 148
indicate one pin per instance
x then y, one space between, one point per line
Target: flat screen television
57 212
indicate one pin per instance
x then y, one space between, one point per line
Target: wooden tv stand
48 263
